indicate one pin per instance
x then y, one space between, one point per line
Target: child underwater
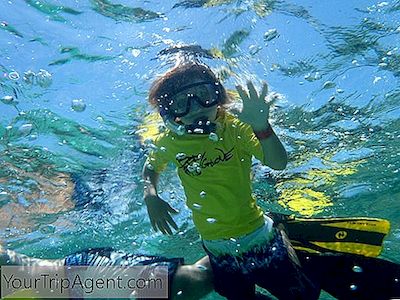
213 151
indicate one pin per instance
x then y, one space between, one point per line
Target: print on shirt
194 164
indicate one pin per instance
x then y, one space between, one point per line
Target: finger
160 227
172 210
252 91
264 91
242 93
166 227
171 222
153 224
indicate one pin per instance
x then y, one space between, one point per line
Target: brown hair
172 81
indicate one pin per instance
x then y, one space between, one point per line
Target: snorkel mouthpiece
201 125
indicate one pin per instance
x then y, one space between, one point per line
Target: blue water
74 77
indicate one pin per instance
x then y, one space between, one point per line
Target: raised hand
256 109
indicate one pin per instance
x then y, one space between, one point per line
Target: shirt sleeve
249 142
158 158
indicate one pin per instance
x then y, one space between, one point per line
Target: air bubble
13 75
29 77
312 77
44 78
135 52
211 220
357 269
180 156
270 34
353 287
198 130
328 85
8 100
201 267
213 137
25 129
78 105
4 196
191 168
203 194
196 206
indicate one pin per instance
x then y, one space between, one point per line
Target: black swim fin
350 276
357 235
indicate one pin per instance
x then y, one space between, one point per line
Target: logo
194 164
340 235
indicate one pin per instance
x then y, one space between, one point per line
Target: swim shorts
272 265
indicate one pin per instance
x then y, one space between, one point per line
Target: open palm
255 110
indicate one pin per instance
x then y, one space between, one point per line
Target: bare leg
193 281
9 257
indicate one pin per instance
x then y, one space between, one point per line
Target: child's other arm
256 113
159 211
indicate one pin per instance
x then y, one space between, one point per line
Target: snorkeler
213 151
192 281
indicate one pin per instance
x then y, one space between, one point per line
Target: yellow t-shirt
215 174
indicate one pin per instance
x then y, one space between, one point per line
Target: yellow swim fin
356 235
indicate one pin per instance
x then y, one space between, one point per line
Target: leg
9 257
192 281
229 280
283 276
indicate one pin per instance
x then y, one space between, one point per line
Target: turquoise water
73 82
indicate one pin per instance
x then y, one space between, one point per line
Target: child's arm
256 113
159 211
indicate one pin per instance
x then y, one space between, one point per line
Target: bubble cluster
42 78
312 76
